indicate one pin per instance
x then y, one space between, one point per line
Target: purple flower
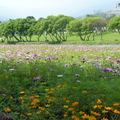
27 58
118 60
108 70
100 75
35 55
77 75
119 75
66 65
37 78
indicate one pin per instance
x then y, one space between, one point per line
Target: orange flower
116 111
67 101
92 118
99 101
84 91
40 108
7 110
85 116
35 101
81 112
22 115
33 106
75 118
116 104
22 92
75 103
32 97
52 89
70 108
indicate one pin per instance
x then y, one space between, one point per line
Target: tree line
57 27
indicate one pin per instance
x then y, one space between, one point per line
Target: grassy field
43 82
108 38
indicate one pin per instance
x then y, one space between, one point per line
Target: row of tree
56 27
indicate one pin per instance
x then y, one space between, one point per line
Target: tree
99 25
59 28
114 24
75 26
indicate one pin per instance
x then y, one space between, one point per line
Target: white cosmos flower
59 75
11 69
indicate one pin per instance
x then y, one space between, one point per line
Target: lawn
46 82
108 38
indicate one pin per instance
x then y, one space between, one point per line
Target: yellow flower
95 113
6 76
65 106
22 92
104 111
84 91
20 97
98 106
38 112
47 112
46 89
47 105
29 114
99 101
108 108
22 100
75 103
7 110
37 96
11 97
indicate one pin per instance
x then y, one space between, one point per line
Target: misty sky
43 8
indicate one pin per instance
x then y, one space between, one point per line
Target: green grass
42 82
108 38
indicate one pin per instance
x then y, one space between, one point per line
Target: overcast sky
42 8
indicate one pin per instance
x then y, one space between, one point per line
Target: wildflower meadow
48 82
